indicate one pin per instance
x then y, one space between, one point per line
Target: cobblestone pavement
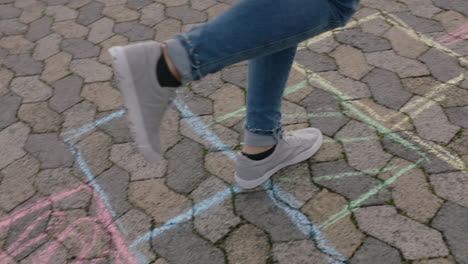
390 185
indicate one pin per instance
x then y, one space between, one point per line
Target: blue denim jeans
266 33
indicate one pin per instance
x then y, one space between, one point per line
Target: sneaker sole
126 85
301 157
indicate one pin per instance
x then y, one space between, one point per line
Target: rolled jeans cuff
259 140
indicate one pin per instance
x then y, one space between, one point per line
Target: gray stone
298 252
39 28
59 255
50 150
31 89
451 220
314 61
422 8
137 4
442 66
419 24
458 116
415 149
415 240
365 41
190 247
95 150
152 14
451 186
404 67
90 13
236 75
47 47
80 48
134 31
386 88
117 128
186 14
460 143
12 140
101 30
77 116
339 177
374 251
9 105
209 84
198 105
319 102
347 87
9 11
432 123
247 244
113 182
185 171
258 209
12 27
23 64
459 5
66 93
91 70
40 117
324 45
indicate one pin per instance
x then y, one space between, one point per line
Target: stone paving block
101 30
70 29
389 6
451 20
12 140
199 105
295 180
12 27
342 235
9 11
297 87
414 144
325 45
451 220
114 182
128 157
227 136
436 261
375 26
5 78
80 48
47 46
157 200
316 62
31 11
404 67
152 14
459 5
56 67
61 13
185 169
186 14
411 192
173 2
66 93
56 181
442 66
9 105
451 186
79 115
364 155
319 102
202 4
292 113
460 143
49 150
39 28
384 223
16 44
40 117
387 89
59 256
228 99
23 64
236 75
218 220
134 31
217 10
116 128
247 244
18 182
103 95
113 2
217 163
432 123
136 223
31 89
351 62
207 85
422 8
95 149
167 29
138 4
364 41
339 177
297 252
169 133
90 13
458 116
329 151
113 41
120 13
191 248
419 24
91 70
404 45
350 88
375 251
258 209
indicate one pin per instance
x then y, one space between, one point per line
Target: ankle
170 64
252 150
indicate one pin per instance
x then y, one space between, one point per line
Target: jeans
266 33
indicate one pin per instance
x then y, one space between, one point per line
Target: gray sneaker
292 148
146 101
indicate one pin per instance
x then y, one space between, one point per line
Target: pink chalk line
454 35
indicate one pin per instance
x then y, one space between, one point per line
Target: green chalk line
354 205
323 114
